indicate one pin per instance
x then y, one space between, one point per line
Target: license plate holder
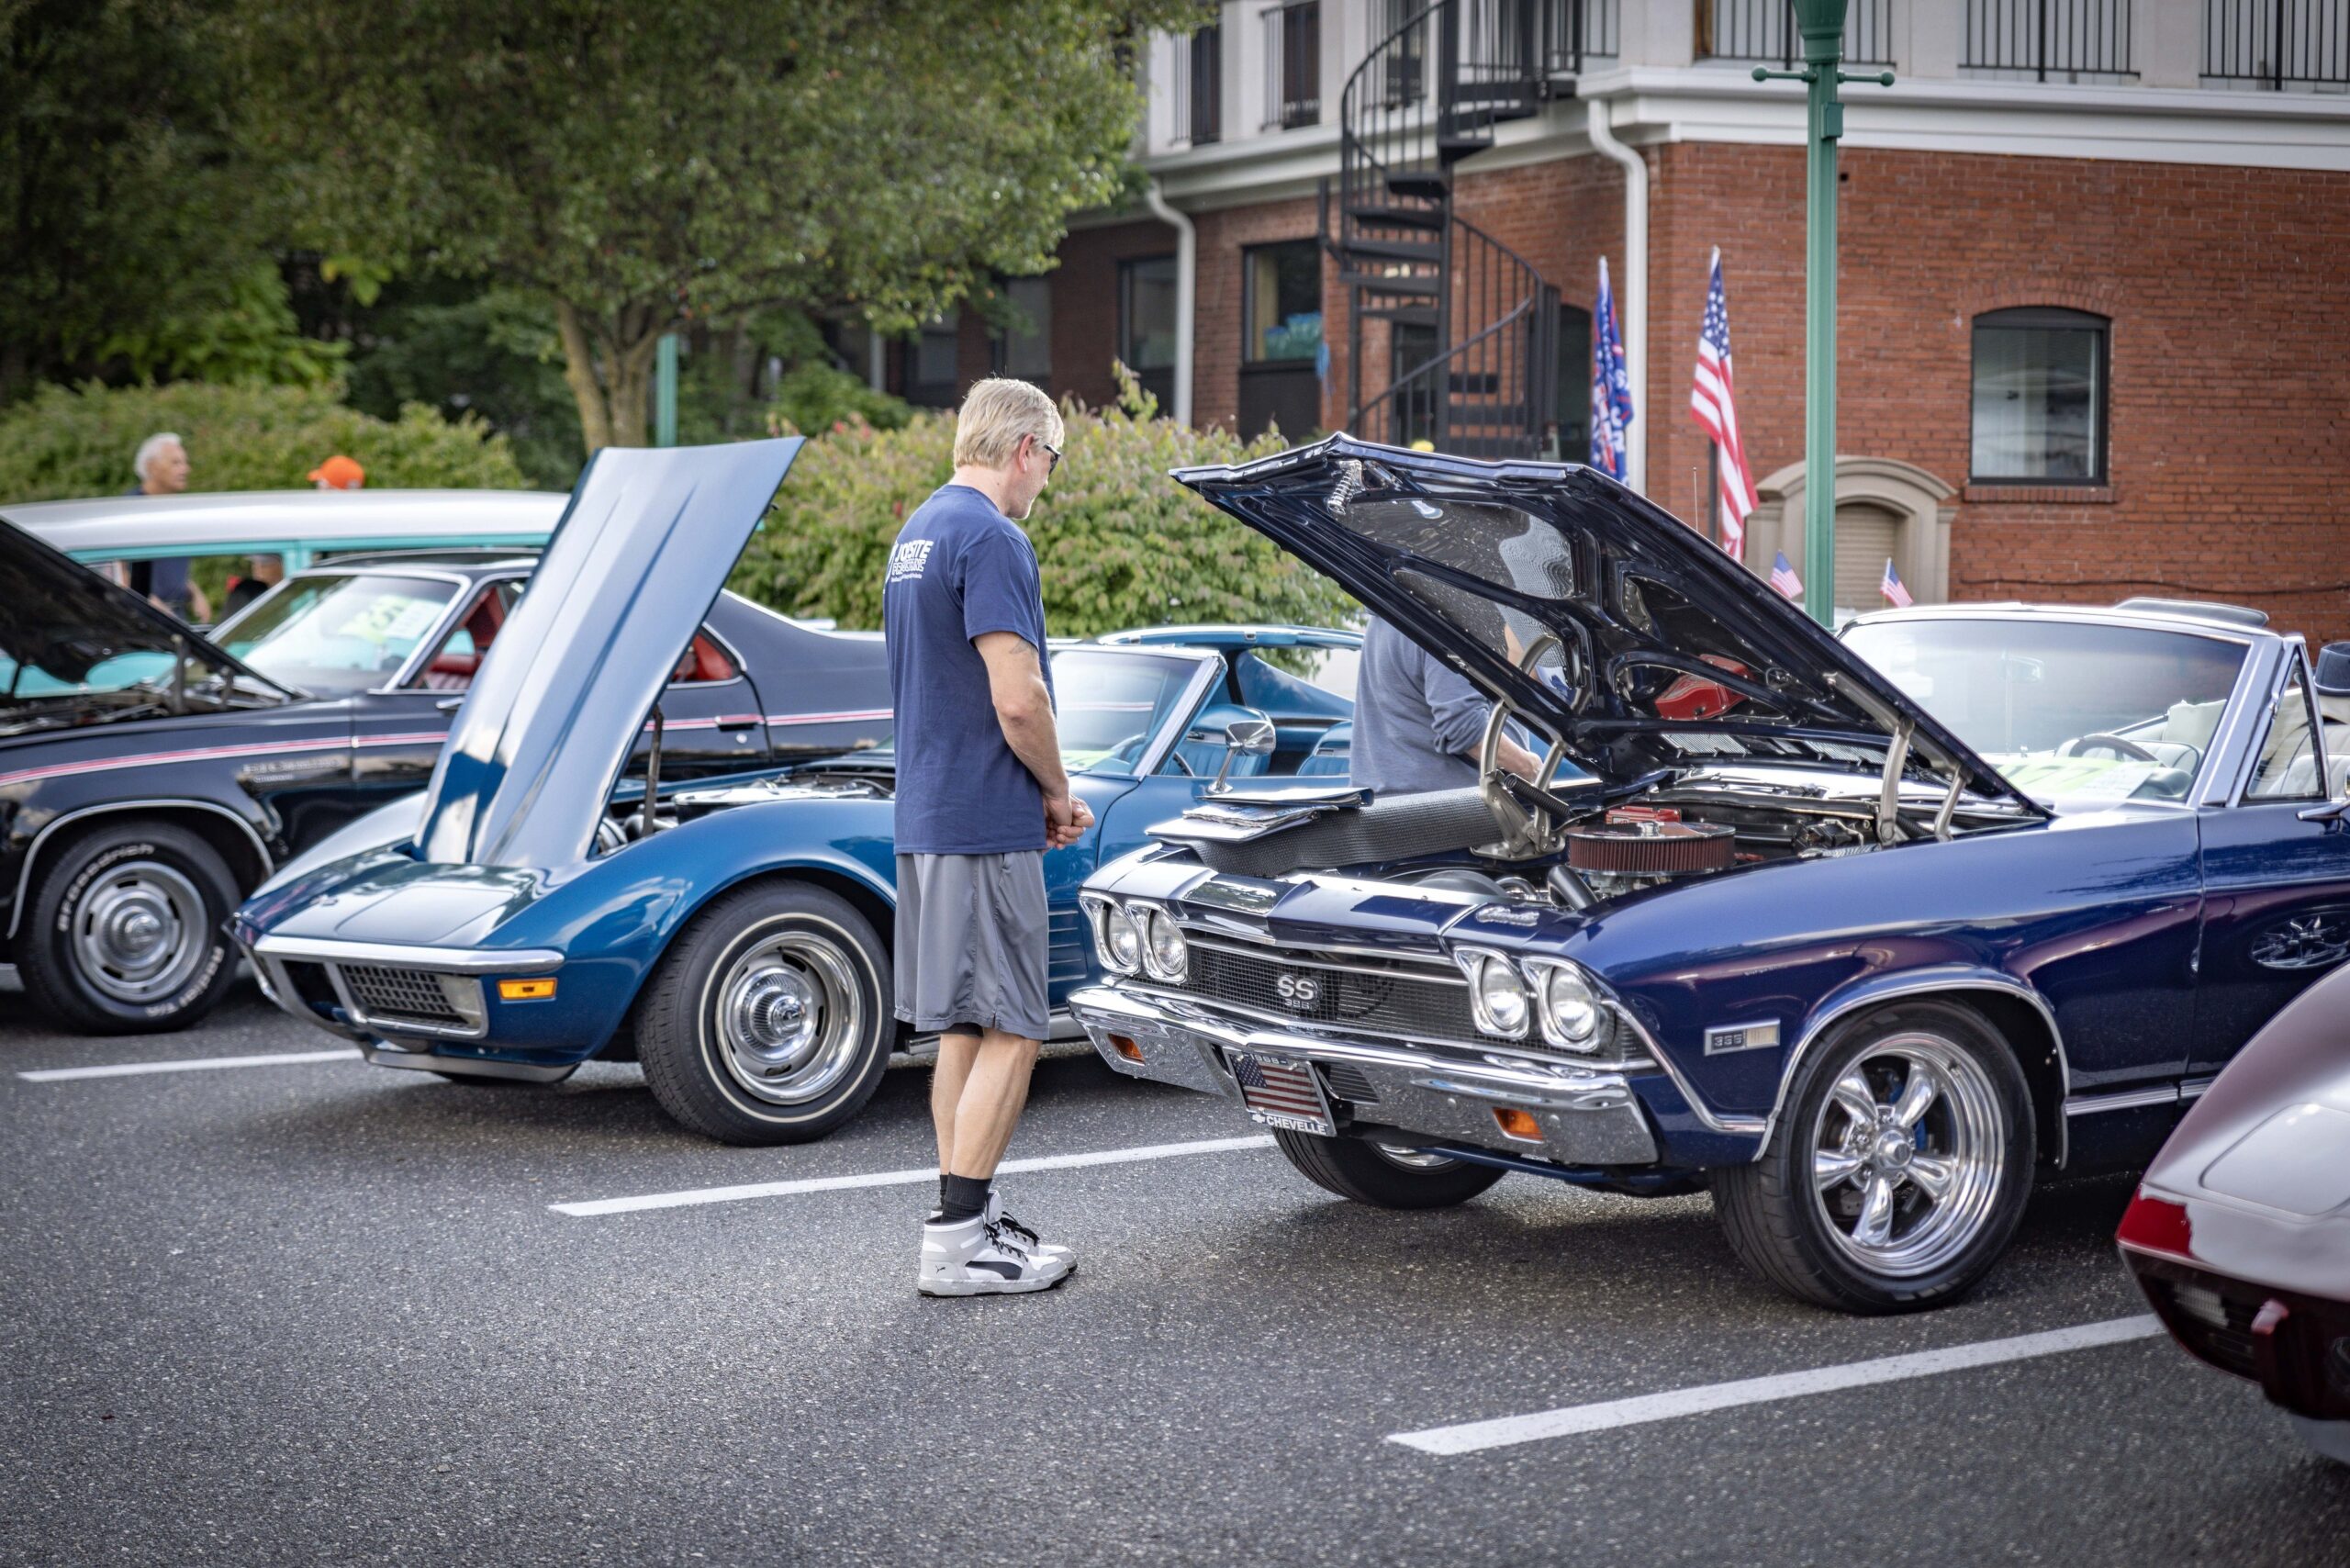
1282 1092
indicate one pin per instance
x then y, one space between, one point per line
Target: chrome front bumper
1584 1116
391 1041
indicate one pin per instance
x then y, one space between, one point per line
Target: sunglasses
1052 457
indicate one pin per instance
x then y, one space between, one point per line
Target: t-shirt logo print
907 561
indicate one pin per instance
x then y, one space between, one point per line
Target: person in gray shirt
1417 720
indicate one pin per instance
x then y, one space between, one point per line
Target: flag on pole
1783 578
1711 403
1611 389
1891 587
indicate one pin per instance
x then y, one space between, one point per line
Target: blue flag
1611 389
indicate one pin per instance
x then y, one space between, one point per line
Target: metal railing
2068 40
1292 65
1198 102
1764 31
2281 45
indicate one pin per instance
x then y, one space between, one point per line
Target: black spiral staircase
1455 334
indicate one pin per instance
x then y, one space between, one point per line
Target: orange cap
339 473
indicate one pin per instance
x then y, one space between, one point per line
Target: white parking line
694 1196
198 1064
1504 1431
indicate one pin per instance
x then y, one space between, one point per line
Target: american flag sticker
1282 1094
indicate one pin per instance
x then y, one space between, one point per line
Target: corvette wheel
1898 1169
124 936
768 1021
1389 1176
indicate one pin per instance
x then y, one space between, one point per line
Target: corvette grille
391 996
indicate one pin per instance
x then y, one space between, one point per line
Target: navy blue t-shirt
960 569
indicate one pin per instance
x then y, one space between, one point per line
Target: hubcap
789 1018
138 933
1907 1153
1413 1159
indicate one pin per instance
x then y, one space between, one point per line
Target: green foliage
816 397
1120 543
63 443
239 327
488 354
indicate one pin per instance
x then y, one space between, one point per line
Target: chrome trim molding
1434 975
1132 984
2122 1100
1737 1125
400 955
1210 668
32 850
2193 1088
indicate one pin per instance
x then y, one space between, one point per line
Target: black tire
1355 1168
124 935
700 1052
1778 1216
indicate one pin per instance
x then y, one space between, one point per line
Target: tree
641 165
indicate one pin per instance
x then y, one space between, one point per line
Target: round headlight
1502 998
1121 942
1163 945
1571 1014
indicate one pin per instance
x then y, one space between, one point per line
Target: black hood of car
60 618
1672 655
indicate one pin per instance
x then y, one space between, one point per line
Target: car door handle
2332 812
740 722
449 704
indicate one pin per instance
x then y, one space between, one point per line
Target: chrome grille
412 994
2215 1317
1379 995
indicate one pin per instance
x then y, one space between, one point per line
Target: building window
1283 309
1765 30
2276 45
1024 347
1293 65
1146 323
2040 402
2047 40
933 381
1201 113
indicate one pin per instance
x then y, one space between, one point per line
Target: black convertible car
151 778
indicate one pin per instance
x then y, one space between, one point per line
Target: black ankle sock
961 1198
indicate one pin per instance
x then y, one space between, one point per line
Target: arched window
2040 399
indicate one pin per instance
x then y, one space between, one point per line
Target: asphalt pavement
313 1312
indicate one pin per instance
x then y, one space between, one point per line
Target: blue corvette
1860 934
526 913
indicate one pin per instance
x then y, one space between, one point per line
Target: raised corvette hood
561 696
60 619
1475 560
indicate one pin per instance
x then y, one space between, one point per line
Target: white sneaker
976 1258
1028 1240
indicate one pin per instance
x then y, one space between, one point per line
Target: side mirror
1252 736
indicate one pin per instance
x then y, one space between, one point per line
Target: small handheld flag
1783 578
1891 587
1611 389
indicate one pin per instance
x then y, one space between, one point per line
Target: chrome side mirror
1243 737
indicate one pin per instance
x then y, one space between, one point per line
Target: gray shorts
972 941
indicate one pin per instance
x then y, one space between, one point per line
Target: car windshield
2064 708
333 633
1110 704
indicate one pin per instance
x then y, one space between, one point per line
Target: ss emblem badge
1298 990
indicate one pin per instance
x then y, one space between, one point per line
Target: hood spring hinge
1888 799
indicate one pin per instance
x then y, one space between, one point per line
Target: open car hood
1673 654
562 693
60 620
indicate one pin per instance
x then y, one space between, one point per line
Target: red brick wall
2228 430
1085 304
1216 364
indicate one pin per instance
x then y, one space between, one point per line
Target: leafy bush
63 443
815 397
1120 543
464 348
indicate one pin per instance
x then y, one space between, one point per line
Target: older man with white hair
162 466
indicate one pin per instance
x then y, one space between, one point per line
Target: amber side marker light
525 990
1125 1048
1519 1124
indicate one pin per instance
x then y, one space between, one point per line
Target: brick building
2095 287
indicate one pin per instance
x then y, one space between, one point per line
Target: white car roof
243 522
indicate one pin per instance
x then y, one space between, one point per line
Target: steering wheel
2119 747
1528 813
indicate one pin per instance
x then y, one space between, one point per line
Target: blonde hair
996 413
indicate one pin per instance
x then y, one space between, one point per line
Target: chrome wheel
789 1018
1412 1159
138 933
1906 1154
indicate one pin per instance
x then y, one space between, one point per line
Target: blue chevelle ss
525 914
1860 934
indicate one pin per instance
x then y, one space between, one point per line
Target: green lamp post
1821 23
665 391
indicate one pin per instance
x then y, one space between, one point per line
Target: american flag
1783 578
1891 587
1277 1087
1611 389
1714 407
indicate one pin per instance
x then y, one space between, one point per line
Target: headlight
1497 994
1571 1014
1164 951
1121 942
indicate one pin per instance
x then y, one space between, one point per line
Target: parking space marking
197 1064
1505 1432
695 1195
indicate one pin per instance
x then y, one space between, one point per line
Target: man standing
980 796
1418 722
162 465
